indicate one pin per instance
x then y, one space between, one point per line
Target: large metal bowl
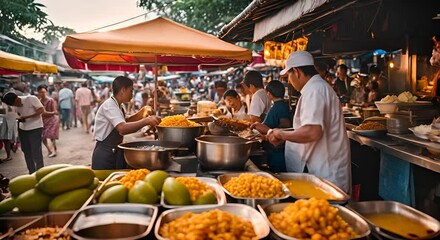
184 135
223 152
137 157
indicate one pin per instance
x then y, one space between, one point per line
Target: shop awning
16 63
267 19
158 40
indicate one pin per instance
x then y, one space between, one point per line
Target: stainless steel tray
260 225
51 219
355 222
221 197
340 196
253 202
113 221
10 223
371 207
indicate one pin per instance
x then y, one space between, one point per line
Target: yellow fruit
72 200
175 193
32 201
94 184
142 192
207 198
115 194
40 173
105 187
7 205
66 179
21 184
156 179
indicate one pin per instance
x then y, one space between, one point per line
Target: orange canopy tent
15 63
159 41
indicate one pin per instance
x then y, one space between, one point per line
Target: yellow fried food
233 124
214 224
131 177
254 186
177 121
311 219
195 186
370 126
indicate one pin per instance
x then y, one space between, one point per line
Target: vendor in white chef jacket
319 145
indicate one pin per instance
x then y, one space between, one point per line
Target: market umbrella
158 41
16 63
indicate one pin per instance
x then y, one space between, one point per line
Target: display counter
397 168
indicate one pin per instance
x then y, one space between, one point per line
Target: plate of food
370 129
422 131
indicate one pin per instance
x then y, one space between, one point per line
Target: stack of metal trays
394 220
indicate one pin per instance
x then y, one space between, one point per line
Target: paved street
74 147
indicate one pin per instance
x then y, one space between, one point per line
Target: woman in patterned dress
50 120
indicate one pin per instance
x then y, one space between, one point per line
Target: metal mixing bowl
223 152
184 135
137 157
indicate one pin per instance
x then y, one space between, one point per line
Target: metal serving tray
253 202
357 223
51 219
339 196
221 197
371 207
10 223
113 221
260 225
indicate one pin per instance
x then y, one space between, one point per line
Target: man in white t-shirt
30 128
319 145
84 100
260 103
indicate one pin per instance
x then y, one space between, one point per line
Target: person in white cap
319 145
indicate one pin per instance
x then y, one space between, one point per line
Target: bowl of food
179 129
370 129
385 107
421 131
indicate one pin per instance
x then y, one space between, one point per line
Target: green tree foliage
16 15
205 15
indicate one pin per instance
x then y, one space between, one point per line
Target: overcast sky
87 15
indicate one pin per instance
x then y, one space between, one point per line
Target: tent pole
156 101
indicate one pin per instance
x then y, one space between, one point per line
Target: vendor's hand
273 137
254 125
153 121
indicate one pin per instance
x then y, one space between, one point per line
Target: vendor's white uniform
106 154
329 157
260 104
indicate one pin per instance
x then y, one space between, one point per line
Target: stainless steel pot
223 152
184 135
137 157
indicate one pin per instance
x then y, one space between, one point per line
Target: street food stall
212 188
